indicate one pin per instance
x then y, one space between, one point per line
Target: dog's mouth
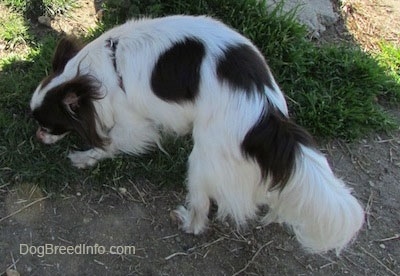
46 136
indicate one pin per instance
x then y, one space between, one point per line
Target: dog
193 74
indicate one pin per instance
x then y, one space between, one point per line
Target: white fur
320 209
47 138
317 205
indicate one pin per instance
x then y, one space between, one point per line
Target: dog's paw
82 159
189 222
271 217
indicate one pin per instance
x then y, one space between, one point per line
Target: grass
389 59
337 94
41 7
332 90
13 29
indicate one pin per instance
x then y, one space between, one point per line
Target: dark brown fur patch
176 75
274 142
242 67
66 49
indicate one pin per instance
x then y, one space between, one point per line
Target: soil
137 214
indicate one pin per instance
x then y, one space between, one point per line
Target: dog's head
63 101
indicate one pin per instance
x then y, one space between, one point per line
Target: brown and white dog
185 74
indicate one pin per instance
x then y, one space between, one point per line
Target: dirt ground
138 214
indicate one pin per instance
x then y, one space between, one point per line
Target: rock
122 190
100 14
316 15
12 272
44 20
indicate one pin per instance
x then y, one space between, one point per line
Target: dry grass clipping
371 22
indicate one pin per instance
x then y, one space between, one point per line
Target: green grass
16 5
389 59
54 7
332 90
337 93
34 8
13 29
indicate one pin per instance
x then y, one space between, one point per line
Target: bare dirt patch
137 214
372 21
80 20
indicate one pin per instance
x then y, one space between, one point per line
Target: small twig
169 237
362 167
192 249
379 261
175 254
351 261
304 265
368 208
64 240
25 207
93 210
204 245
205 255
211 243
13 260
252 259
344 145
385 141
4 185
240 236
11 265
100 263
139 193
391 155
396 236
326 265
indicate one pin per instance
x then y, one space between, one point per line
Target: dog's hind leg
194 216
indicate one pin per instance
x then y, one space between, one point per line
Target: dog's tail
303 191
317 205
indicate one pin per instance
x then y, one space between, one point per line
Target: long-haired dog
184 74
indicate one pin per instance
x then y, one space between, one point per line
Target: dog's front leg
89 158
194 217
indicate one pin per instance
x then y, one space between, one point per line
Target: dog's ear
71 102
77 99
66 49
